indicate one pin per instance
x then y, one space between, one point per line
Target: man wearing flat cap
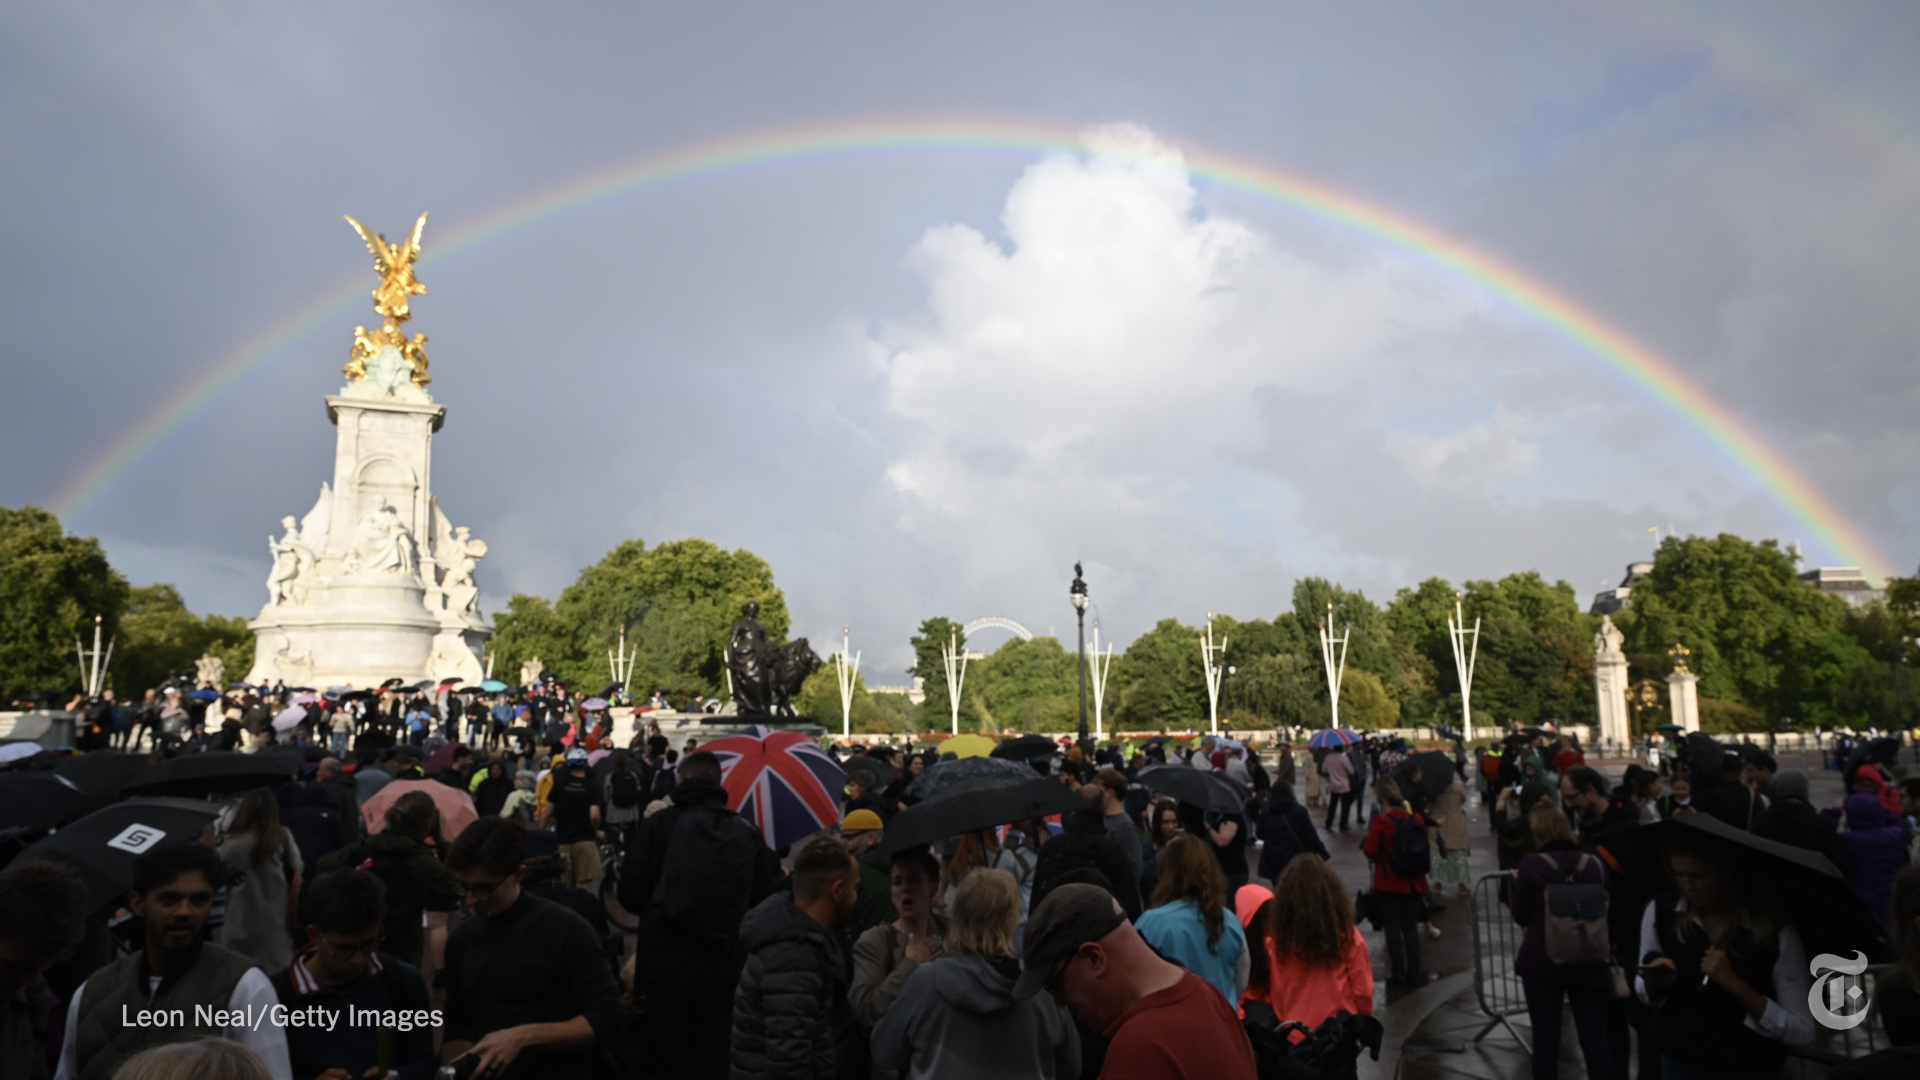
1162 1021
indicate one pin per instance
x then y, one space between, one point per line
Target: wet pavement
1431 1031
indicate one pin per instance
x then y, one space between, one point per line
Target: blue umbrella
204 695
493 686
1332 737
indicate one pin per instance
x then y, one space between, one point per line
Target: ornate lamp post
1078 592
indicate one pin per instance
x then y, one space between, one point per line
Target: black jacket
1286 830
647 861
1085 842
792 992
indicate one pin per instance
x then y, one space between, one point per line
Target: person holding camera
529 994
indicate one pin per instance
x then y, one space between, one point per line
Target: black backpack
624 789
1408 854
706 883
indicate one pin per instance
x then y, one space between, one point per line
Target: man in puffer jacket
791 1005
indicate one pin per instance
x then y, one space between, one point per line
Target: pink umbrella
456 806
594 757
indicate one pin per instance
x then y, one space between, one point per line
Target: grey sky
927 383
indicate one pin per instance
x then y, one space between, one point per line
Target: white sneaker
1432 931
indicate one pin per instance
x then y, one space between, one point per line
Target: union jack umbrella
781 781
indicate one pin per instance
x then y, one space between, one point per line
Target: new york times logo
1839 997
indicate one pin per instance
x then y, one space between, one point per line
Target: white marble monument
1610 682
375 582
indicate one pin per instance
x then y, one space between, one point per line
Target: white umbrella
289 718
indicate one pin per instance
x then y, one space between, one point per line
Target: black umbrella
215 772
1881 751
1805 884
102 774
611 689
883 773
1025 748
103 845
1436 771
393 682
942 775
1195 787
972 805
40 800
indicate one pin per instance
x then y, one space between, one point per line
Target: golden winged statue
394 264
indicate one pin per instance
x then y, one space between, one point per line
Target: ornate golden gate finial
1680 654
394 264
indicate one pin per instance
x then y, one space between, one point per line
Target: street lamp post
1334 660
1212 668
1102 666
955 658
1463 655
1078 592
849 672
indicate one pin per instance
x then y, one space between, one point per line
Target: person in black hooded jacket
1085 843
1791 819
685 980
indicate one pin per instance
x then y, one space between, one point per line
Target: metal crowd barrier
1835 1047
1496 941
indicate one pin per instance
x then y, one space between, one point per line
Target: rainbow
1632 362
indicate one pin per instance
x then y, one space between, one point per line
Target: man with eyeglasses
339 977
175 988
529 993
1162 1022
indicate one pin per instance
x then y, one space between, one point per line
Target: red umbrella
781 781
456 806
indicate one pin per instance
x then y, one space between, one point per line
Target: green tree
1159 683
1757 634
51 588
678 602
936 634
1027 685
1364 702
819 697
1535 655
158 636
1284 689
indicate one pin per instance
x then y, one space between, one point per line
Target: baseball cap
1068 918
576 756
861 821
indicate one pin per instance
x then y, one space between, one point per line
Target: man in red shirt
1163 1022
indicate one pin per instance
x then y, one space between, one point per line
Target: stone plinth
1610 683
1684 700
375 582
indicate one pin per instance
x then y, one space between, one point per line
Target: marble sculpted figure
381 544
292 561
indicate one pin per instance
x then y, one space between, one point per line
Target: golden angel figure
394 264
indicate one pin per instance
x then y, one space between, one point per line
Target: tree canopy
678 601
51 587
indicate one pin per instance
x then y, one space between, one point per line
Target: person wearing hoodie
490 794
1286 831
957 1018
790 1011
1084 843
416 880
1876 846
1791 819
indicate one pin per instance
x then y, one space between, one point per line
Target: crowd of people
1136 936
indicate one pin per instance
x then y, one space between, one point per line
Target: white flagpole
1463 657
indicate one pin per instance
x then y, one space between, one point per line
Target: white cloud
1472 461
1098 367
